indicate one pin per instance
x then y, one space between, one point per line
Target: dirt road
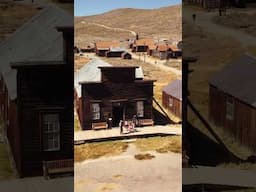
204 20
111 28
126 174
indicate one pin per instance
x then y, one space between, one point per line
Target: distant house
115 52
36 83
112 91
126 55
151 49
175 52
88 49
162 51
232 100
172 97
101 47
141 45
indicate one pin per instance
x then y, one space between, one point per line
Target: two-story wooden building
37 84
107 91
232 100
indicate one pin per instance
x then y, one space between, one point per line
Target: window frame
43 133
98 112
138 108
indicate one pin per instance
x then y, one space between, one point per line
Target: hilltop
164 22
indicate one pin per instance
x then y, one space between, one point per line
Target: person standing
109 122
121 124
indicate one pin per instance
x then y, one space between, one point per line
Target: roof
163 47
117 49
142 42
174 89
238 79
107 44
91 72
42 43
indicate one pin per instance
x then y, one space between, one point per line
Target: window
140 108
51 132
230 109
170 102
95 111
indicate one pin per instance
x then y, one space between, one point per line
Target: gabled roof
37 40
238 79
91 72
142 42
174 89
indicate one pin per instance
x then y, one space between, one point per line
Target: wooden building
141 45
88 49
126 55
101 47
115 52
112 91
37 89
164 51
232 100
172 97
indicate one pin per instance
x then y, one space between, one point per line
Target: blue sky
93 7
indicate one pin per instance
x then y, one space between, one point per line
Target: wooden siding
175 108
242 127
108 92
44 90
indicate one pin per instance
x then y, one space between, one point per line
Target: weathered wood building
232 100
37 86
141 45
102 47
164 51
115 52
111 91
172 97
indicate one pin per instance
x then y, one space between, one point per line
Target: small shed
232 100
126 55
101 47
115 52
172 97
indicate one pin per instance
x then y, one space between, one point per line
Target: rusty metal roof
238 79
174 89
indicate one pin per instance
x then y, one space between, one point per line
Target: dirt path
204 20
157 63
126 174
111 28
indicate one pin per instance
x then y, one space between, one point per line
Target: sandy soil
126 174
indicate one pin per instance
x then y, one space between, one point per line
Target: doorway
117 114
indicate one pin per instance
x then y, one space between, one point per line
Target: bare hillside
118 24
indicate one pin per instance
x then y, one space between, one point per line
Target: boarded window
51 132
95 108
170 102
230 109
140 108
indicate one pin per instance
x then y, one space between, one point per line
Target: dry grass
13 16
157 23
146 156
240 21
5 167
77 125
80 62
160 144
96 150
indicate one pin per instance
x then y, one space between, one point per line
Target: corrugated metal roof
174 89
36 40
238 79
91 72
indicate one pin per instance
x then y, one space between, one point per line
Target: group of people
129 125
